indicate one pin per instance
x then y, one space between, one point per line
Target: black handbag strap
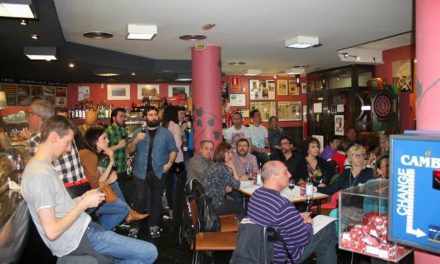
278 238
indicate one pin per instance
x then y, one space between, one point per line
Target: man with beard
117 135
245 163
295 163
155 150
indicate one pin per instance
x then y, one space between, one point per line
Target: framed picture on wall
289 111
118 92
282 87
262 89
237 99
60 101
174 90
339 125
60 92
267 109
244 112
83 92
293 87
148 90
303 88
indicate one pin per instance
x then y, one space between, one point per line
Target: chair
212 241
332 204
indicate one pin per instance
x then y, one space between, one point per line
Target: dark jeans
154 187
323 244
123 185
176 172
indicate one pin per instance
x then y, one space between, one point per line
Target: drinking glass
309 195
291 184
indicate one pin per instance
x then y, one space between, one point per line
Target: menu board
415 191
23 94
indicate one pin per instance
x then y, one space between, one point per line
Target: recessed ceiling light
17 9
133 74
23 22
141 32
192 37
301 42
35 36
237 63
98 35
252 72
71 65
40 53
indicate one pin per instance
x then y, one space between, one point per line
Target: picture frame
244 112
262 90
282 87
289 111
148 90
60 101
303 88
339 125
118 92
49 91
61 92
237 99
293 87
266 108
83 92
174 90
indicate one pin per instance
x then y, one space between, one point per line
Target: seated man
201 162
61 222
268 208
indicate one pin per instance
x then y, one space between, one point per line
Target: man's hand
91 199
140 136
167 167
122 142
307 218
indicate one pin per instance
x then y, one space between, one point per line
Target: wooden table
294 196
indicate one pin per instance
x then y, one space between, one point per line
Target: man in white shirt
237 131
259 138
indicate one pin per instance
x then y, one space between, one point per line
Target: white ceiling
252 31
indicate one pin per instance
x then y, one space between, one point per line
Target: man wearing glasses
295 163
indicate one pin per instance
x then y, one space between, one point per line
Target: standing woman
319 171
96 145
357 174
274 134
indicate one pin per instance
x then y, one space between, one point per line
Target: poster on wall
150 91
293 87
282 87
402 75
303 88
262 89
61 92
237 99
289 111
174 90
267 109
83 92
118 92
339 125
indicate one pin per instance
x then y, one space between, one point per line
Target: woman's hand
230 164
112 178
109 153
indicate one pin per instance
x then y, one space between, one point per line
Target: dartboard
383 106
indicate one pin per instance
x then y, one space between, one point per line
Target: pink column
206 94
428 64
428 80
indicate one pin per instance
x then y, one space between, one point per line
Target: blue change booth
414 194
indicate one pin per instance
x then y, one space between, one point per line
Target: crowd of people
72 167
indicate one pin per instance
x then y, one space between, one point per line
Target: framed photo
289 111
262 89
339 125
83 92
174 90
267 109
293 87
303 88
237 99
118 92
148 90
61 92
37 90
244 112
23 90
282 87
48 91
60 101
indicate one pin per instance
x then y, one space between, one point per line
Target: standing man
117 136
295 163
201 162
68 165
61 222
237 130
259 138
155 150
91 119
268 208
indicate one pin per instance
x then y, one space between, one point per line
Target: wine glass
291 184
248 173
309 196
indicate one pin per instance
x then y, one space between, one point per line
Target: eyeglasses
358 155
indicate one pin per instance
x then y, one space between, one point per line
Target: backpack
255 244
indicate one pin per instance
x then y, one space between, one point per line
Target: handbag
110 195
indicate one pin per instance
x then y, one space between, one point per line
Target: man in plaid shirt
117 135
68 166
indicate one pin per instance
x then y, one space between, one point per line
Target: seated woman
220 178
110 213
319 171
357 174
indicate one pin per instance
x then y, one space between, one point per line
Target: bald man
91 118
268 208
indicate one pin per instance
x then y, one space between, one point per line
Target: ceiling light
142 32
23 22
192 37
236 63
302 42
252 72
133 74
41 53
107 72
35 36
17 9
184 77
97 35
361 55
295 71
71 65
